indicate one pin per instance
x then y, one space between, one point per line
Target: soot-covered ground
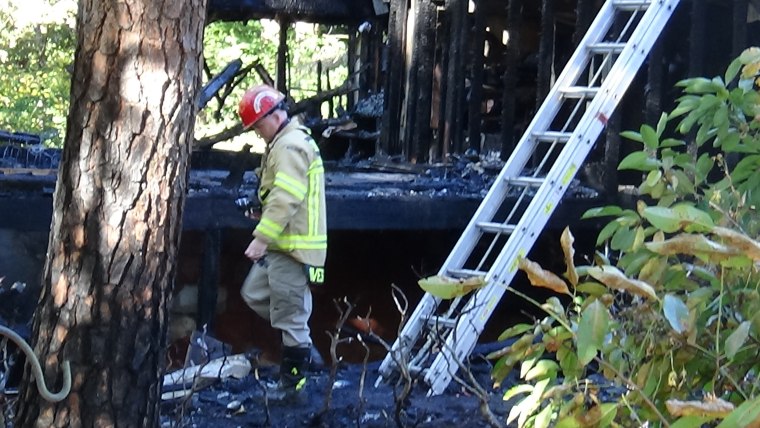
242 403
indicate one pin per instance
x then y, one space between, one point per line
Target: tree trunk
117 214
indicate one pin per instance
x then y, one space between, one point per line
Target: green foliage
255 42
37 53
675 323
36 50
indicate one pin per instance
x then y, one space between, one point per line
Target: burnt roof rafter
317 11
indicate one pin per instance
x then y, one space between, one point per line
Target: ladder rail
526 146
412 329
462 339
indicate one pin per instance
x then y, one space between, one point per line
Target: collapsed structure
436 87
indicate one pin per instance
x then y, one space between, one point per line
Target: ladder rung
496 227
414 369
606 47
526 181
552 137
630 5
442 321
465 273
579 91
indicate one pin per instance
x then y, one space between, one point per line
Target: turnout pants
277 289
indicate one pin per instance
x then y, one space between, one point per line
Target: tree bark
117 213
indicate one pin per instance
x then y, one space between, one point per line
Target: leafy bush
665 326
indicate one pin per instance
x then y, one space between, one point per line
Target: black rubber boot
295 361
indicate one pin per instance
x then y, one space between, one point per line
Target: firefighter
289 243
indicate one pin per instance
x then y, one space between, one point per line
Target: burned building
439 85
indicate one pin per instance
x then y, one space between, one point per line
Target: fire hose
37 369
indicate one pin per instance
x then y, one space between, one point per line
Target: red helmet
257 102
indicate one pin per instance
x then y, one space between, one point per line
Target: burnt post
457 12
389 141
584 14
282 56
509 99
424 55
209 281
653 95
697 40
545 51
409 106
476 89
739 41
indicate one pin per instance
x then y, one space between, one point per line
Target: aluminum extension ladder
439 335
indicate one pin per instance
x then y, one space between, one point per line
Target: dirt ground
241 403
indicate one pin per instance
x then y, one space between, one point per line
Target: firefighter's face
267 126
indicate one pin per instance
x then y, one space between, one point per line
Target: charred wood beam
264 74
697 37
697 40
425 55
584 14
438 100
409 104
612 156
457 12
545 51
476 89
282 56
353 56
297 108
209 281
509 98
318 11
653 92
739 41
377 53
390 143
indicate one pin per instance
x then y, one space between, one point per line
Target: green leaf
516 390
542 370
632 135
606 232
676 313
592 288
661 124
639 161
515 331
592 329
737 339
662 218
693 218
448 288
705 164
689 422
650 138
568 422
568 360
609 410
672 142
543 418
609 210
623 239
733 69
653 177
747 414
